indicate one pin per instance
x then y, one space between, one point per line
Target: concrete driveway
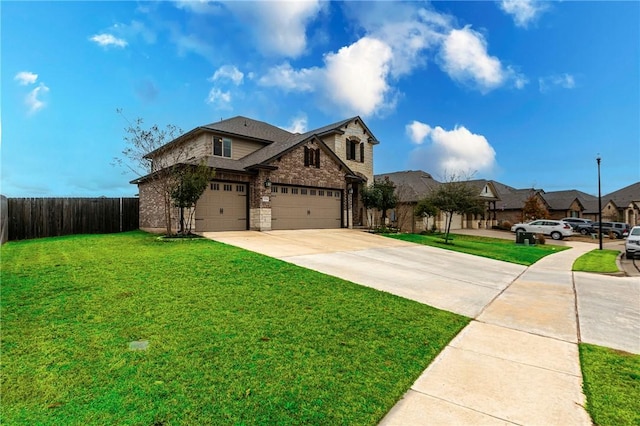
456 282
517 362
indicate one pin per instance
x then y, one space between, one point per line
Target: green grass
234 337
611 384
597 261
493 248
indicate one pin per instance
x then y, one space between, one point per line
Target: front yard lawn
493 248
611 384
603 261
234 337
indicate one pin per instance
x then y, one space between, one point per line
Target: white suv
557 229
632 245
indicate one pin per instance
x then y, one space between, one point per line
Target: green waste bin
525 238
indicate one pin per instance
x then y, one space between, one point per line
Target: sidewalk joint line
465 407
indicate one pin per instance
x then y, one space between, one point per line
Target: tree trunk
449 218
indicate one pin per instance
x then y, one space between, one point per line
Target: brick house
268 178
414 185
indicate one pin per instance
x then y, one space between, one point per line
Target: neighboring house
414 185
268 178
623 205
564 203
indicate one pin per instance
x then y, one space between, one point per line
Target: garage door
305 208
222 207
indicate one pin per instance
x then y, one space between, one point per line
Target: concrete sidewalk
517 363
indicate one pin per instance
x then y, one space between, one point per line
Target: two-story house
268 178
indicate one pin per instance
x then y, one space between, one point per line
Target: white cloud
456 151
219 99
25 78
288 79
34 98
417 131
106 40
465 58
408 30
562 81
354 79
356 76
523 11
279 27
298 124
228 72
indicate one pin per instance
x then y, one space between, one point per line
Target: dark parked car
619 229
583 226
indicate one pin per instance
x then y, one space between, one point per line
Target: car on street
632 245
619 229
556 229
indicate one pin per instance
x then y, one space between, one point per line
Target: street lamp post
599 205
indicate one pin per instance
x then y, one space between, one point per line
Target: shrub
540 239
506 225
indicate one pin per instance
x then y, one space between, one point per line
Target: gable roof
561 200
625 196
249 128
412 185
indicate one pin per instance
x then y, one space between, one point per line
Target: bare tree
191 181
144 157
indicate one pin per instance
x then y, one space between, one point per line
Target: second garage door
305 208
222 207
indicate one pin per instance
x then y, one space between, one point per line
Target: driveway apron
515 363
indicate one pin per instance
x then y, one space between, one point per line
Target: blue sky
526 93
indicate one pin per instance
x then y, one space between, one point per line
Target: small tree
191 181
533 209
388 197
455 196
425 209
158 170
370 197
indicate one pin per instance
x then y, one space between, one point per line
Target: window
239 188
215 186
351 150
336 194
274 189
312 192
228 187
294 190
303 191
221 147
284 190
329 194
311 157
321 193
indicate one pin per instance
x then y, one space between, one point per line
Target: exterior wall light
267 183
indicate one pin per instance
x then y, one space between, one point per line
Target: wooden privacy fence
50 217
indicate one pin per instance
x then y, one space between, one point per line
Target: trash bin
528 238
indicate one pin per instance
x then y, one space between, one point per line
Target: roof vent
245 123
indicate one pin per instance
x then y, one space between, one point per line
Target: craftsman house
268 178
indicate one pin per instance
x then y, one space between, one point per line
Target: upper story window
221 147
312 157
353 146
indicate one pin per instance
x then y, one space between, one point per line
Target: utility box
528 238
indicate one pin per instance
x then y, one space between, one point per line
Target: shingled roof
625 196
250 129
412 185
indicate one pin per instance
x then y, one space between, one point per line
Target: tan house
268 178
414 185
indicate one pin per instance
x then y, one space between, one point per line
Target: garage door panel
222 207
305 208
